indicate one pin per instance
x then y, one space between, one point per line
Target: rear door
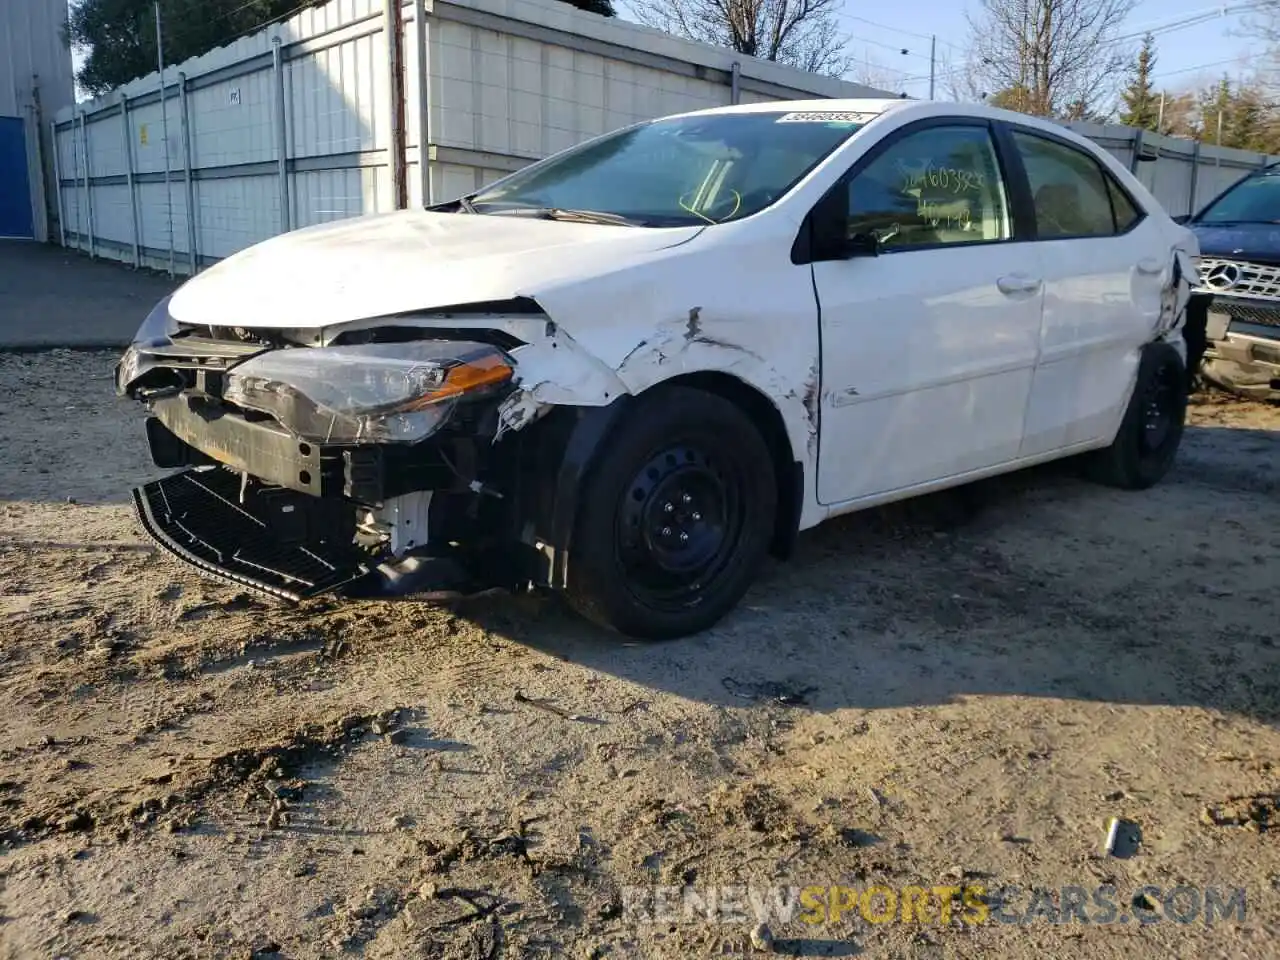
1105 263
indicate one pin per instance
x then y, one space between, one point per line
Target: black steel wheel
675 519
1147 442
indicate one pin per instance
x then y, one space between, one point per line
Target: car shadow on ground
1038 584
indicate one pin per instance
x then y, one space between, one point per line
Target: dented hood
373 266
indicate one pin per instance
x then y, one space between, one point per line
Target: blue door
15 190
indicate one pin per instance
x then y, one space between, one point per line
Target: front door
927 349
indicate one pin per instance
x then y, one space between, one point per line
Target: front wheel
1149 436
675 519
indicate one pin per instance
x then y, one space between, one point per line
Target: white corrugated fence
295 124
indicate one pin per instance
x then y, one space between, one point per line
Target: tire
675 518
1147 441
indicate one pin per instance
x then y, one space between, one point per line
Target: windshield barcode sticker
824 116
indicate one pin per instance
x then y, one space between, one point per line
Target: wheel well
787 471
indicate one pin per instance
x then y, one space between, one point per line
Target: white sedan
631 370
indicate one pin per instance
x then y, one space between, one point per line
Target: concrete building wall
36 82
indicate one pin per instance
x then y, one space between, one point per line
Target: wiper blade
466 204
1234 223
574 216
591 216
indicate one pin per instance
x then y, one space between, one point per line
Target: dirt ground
961 692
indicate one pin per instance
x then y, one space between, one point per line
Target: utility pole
933 61
1160 116
393 24
164 127
1022 60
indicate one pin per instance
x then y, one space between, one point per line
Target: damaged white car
630 371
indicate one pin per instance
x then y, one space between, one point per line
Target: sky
1188 56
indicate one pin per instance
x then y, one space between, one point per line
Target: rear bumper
1243 345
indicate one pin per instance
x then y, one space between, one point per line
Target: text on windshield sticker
826 116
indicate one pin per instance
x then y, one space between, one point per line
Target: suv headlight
369 393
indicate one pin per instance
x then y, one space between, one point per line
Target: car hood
386 264
1258 242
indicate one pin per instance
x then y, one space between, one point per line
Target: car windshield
678 171
1253 200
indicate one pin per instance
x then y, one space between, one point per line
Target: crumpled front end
376 459
1241 304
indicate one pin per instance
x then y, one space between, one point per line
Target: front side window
1067 188
679 171
940 185
1255 199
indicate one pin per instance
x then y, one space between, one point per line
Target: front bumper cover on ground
279 542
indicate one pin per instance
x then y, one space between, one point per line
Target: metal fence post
282 138
1195 177
735 83
424 100
88 186
57 182
1137 152
126 144
393 30
192 258
82 240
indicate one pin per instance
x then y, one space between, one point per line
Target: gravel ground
51 296
926 695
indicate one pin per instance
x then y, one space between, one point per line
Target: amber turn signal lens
485 371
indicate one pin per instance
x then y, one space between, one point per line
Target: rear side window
1071 195
1126 213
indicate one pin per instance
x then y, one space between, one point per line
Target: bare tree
799 33
1053 58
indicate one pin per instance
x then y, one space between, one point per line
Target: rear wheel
675 518
1149 436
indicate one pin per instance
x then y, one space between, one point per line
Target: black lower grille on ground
285 544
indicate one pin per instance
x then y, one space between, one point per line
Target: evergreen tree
1141 103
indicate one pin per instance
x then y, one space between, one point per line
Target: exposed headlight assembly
369 393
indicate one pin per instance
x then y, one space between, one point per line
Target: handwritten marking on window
926 173
950 216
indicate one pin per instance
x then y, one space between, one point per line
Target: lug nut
666 531
685 498
696 515
668 507
684 538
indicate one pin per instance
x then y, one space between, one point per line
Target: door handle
1150 266
1018 283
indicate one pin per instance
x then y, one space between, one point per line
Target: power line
1193 19
885 26
1199 66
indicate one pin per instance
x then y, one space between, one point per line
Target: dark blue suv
1234 318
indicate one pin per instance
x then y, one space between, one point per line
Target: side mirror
862 245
